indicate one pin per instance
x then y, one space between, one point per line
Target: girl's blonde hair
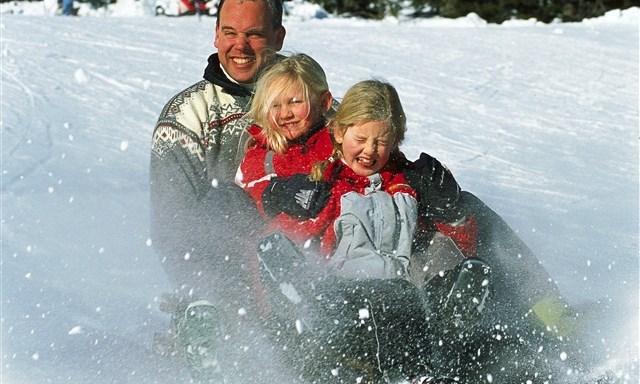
298 70
366 101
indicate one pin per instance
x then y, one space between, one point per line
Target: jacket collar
256 132
312 131
337 168
214 73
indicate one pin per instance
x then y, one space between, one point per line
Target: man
201 223
199 138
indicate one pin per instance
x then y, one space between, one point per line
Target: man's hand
296 196
437 189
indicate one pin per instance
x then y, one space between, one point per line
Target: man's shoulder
203 94
200 93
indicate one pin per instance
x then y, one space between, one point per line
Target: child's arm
437 189
438 193
296 196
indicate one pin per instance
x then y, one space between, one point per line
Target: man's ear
280 34
326 100
215 35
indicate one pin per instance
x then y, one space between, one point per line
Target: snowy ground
540 121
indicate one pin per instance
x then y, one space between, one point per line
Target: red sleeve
465 234
394 181
251 175
320 227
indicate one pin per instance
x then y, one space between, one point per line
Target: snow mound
302 10
629 16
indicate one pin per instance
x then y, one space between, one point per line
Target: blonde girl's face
366 147
293 114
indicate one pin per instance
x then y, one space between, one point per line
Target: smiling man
201 223
246 34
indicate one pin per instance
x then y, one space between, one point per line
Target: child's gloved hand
296 196
438 191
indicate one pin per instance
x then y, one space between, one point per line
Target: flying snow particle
363 313
148 242
334 372
71 199
290 292
265 247
80 76
66 125
70 137
35 356
27 276
489 378
563 356
50 190
124 144
242 312
76 330
214 183
299 326
187 256
307 244
101 250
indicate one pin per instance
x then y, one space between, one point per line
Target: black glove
296 196
437 189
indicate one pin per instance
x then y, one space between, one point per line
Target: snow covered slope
541 122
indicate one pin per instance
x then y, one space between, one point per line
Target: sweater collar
215 74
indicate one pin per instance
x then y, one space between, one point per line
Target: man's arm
198 226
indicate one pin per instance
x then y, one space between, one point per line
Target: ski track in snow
541 122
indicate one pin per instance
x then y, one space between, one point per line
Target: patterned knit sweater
198 143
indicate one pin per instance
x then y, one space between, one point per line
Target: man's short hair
275 6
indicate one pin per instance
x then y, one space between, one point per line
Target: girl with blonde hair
290 134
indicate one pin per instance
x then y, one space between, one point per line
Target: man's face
244 37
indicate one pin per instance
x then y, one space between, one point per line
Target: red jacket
343 180
260 164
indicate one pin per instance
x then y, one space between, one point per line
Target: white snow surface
539 121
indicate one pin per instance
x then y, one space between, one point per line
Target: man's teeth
241 60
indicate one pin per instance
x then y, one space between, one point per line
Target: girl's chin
362 171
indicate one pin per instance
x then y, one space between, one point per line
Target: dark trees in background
494 11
